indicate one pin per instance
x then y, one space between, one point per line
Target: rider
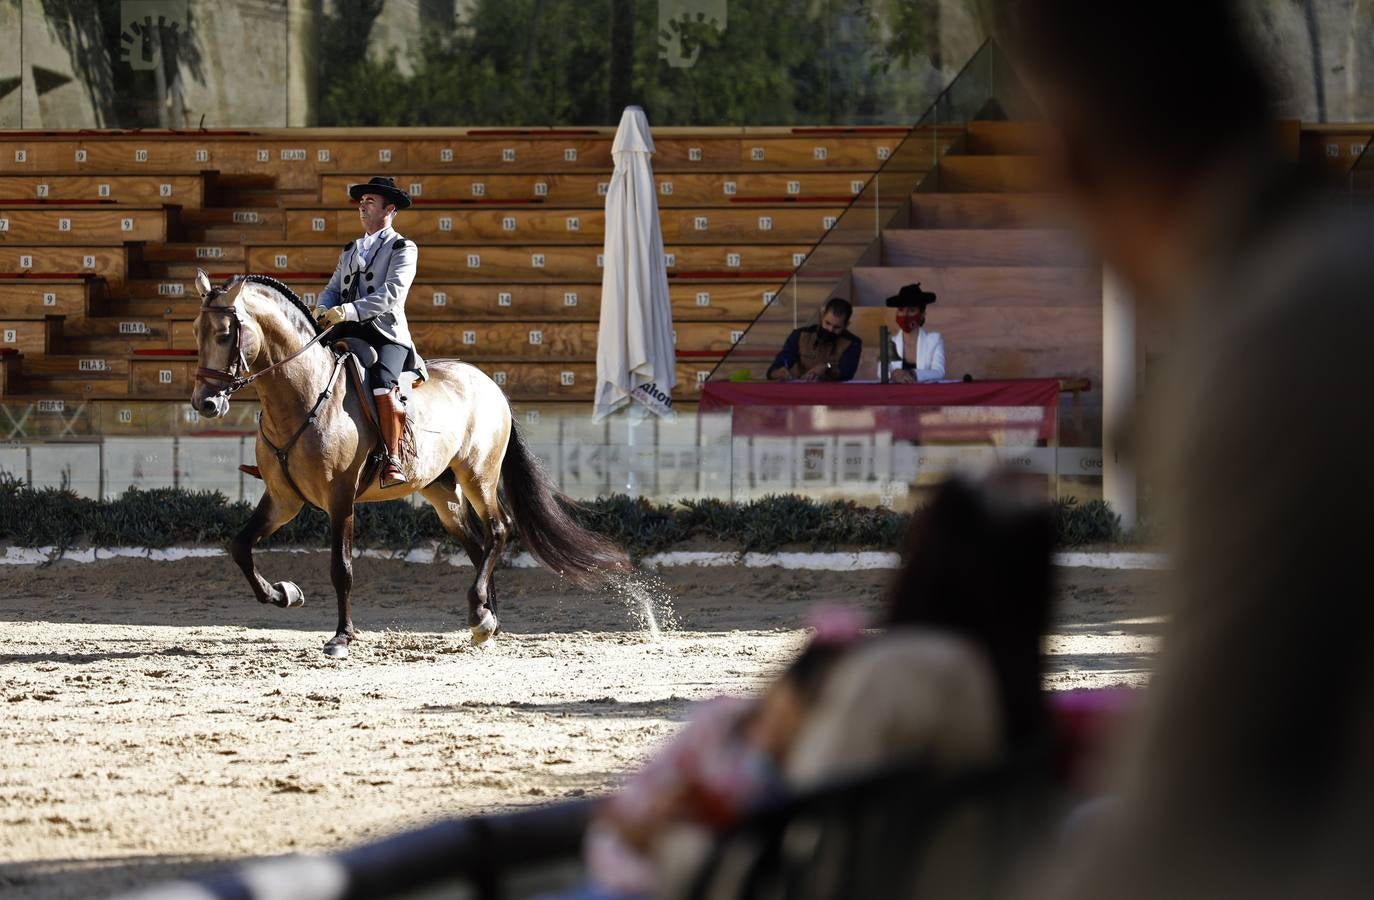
366 299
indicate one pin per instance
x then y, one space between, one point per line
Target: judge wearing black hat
917 355
366 299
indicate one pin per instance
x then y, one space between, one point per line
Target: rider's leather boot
391 413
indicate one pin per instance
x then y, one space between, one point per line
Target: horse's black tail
548 532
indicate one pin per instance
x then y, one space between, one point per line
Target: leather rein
234 377
234 380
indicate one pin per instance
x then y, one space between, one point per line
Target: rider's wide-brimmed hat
382 187
911 295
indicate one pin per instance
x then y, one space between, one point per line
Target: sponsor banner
1080 462
654 399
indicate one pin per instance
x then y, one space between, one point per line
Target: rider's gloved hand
330 316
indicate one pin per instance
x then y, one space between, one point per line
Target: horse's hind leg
481 493
452 509
271 514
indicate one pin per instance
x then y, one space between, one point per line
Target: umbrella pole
630 457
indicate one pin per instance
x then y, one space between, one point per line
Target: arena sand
158 720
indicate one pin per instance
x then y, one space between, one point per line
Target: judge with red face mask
917 355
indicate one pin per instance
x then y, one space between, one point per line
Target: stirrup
391 464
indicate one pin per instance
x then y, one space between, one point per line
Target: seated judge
917 355
824 352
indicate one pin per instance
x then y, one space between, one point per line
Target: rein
285 449
233 380
237 382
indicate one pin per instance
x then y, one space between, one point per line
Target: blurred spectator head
977 563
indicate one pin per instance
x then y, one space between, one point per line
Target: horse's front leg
271 514
341 573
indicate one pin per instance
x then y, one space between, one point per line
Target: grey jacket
374 290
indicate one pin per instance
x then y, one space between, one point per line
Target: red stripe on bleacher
513 132
280 276
455 201
165 352
851 129
818 198
730 276
46 201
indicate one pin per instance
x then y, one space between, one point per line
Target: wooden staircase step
987 174
984 247
987 210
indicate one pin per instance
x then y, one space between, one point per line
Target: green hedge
164 517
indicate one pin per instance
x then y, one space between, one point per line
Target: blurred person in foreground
1252 773
952 685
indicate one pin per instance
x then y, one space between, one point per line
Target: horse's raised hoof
486 629
337 648
286 595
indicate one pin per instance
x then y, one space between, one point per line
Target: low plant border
168 517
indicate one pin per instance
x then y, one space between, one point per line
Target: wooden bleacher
104 233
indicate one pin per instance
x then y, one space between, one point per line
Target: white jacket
930 355
373 287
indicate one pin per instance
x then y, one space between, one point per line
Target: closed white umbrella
634 351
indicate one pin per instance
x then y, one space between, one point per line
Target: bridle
236 377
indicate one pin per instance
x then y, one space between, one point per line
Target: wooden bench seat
525 340
444 301
83 224
169 375
232 225
431 225
31 337
39 297
66 261
544 262
172 379
296 161
186 191
84 387
553 341
89 366
531 381
563 190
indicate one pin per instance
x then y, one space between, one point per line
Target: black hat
382 187
911 295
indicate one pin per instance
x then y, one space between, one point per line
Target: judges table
1019 412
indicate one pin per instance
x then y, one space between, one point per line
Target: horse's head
226 343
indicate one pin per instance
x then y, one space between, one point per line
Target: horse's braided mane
280 288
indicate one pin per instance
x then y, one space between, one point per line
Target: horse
316 444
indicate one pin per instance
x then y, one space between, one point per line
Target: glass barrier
985 87
1360 184
874 455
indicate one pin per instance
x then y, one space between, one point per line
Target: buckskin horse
317 444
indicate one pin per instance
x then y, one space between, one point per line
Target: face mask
910 323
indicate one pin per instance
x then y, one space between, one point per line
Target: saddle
361 357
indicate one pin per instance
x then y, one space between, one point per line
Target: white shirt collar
368 241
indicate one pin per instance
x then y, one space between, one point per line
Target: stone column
1118 397
303 66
